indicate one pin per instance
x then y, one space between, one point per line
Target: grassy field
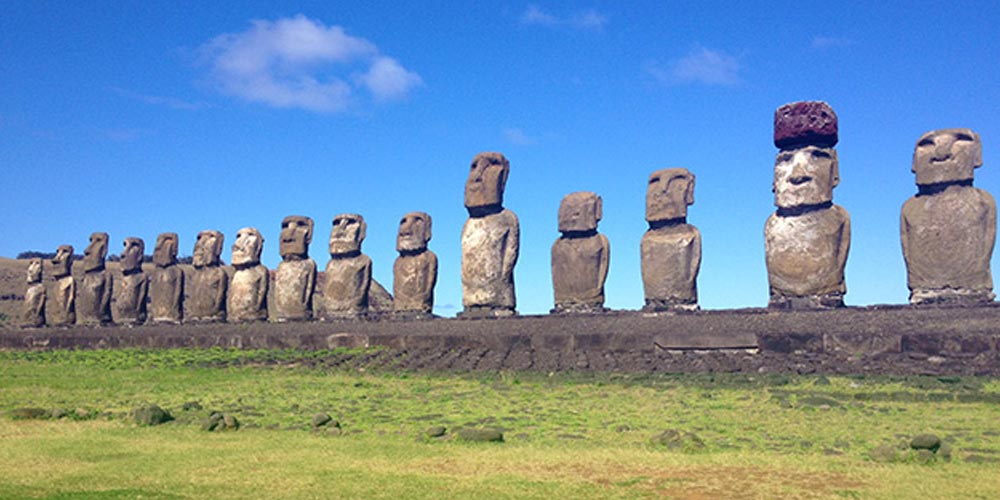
565 435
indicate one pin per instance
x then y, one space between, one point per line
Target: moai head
165 253
96 252
207 248
806 169
34 271
347 234
296 234
487 179
668 194
63 261
947 155
132 254
247 248
580 212
414 232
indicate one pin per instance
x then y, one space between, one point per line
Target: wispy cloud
701 65
517 137
830 42
588 19
297 62
170 102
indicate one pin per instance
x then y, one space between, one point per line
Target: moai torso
806 253
248 294
166 282
345 292
414 277
33 309
130 298
579 269
489 252
207 300
671 258
93 290
61 302
948 229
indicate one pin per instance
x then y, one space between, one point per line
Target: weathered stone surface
807 239
166 283
805 122
247 299
93 290
490 240
349 272
60 307
33 310
295 279
925 442
670 248
415 270
151 415
206 302
580 256
485 435
948 229
132 286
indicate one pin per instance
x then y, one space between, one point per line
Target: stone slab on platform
879 339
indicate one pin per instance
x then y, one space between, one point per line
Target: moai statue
949 227
93 291
670 248
490 241
415 272
132 286
209 281
248 290
61 298
580 256
349 272
806 240
295 279
33 312
166 285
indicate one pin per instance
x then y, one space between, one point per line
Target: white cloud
517 137
588 19
170 102
701 65
298 62
829 42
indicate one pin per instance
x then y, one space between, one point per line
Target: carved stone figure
247 299
93 291
295 279
490 241
948 229
349 272
807 239
61 298
580 256
209 280
415 270
670 248
33 312
132 286
166 285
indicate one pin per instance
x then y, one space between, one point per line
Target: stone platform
876 339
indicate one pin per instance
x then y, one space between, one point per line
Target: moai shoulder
132 285
295 278
247 299
670 248
94 288
580 256
415 270
349 271
33 309
166 282
948 228
60 307
206 302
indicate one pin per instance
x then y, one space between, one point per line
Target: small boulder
191 406
925 456
28 413
151 415
926 442
883 453
945 451
489 435
218 421
321 419
435 431
57 413
674 439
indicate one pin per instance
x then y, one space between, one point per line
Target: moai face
34 271
580 212
347 234
207 249
487 179
247 248
805 176
668 194
165 253
414 232
96 252
296 234
63 261
132 254
947 155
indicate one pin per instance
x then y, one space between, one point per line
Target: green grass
567 435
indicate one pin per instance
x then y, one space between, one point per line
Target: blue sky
137 118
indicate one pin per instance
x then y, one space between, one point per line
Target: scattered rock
980 459
151 415
191 406
218 421
925 456
321 419
926 442
57 413
83 414
674 439
945 451
435 431
28 413
480 434
883 453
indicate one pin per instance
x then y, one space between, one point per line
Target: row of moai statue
214 294
947 231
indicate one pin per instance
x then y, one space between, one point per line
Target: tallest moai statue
948 229
806 240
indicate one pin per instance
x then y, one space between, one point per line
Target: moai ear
977 149
689 192
309 230
427 233
503 176
220 238
364 228
598 208
834 169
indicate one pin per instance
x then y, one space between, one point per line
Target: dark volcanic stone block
805 123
